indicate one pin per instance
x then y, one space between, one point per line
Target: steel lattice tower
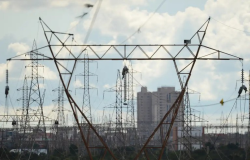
24 99
86 97
60 105
130 106
118 105
187 130
34 106
120 139
86 104
34 98
125 55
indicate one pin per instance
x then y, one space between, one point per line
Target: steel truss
128 52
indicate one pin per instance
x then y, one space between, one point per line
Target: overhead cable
139 29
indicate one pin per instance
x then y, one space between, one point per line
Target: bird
88 5
81 16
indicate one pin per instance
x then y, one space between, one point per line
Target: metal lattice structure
35 97
86 103
126 52
60 105
25 101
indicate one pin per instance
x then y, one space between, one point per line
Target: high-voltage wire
92 22
229 26
214 104
139 29
172 111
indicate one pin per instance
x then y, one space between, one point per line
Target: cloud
212 78
4 5
78 84
49 74
42 85
34 4
118 20
107 86
12 67
59 3
19 48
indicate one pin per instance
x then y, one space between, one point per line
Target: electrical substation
138 124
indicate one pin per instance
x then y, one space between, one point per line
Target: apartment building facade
151 108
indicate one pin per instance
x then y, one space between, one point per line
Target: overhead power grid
189 52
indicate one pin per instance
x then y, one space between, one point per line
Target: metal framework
130 119
187 128
129 52
25 101
86 105
60 105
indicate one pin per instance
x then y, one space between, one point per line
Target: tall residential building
152 106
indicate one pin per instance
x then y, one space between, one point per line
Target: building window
169 97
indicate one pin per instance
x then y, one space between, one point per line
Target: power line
229 26
92 22
213 104
138 30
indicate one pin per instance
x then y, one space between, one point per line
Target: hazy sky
174 21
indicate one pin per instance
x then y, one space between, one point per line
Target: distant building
152 106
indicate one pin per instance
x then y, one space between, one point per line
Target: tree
73 149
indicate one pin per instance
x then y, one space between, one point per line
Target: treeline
209 152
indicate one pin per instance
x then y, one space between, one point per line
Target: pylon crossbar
130 52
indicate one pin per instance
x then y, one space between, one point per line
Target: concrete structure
152 106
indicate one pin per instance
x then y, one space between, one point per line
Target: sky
159 22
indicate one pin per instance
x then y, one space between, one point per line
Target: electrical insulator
7 76
242 76
13 123
7 87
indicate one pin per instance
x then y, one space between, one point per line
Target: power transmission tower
24 109
119 126
60 120
24 99
86 104
118 132
34 105
86 101
58 128
187 139
131 108
187 128
34 98
123 54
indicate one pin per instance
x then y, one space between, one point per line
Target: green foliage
36 146
60 153
73 149
209 145
230 152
